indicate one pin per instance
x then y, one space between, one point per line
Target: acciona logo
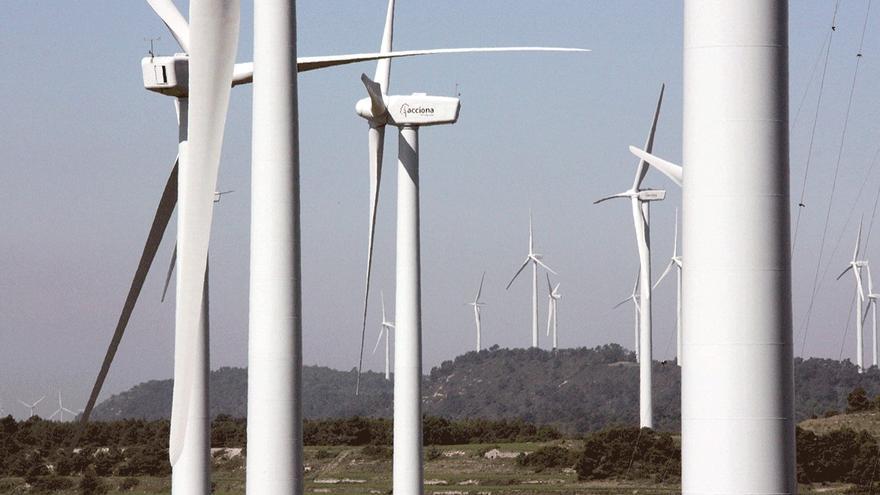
407 110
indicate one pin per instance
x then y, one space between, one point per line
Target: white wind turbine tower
61 410
477 304
675 262
385 330
737 242
634 297
640 200
535 260
553 297
31 407
408 113
872 305
856 266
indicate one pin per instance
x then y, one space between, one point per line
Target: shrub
51 484
433 453
629 453
128 484
91 484
377 452
857 401
548 457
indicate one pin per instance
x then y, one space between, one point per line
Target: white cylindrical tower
274 442
192 472
737 380
408 473
641 214
534 303
860 329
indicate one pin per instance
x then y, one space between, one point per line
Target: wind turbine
61 410
31 407
476 303
553 295
385 329
535 259
634 297
409 114
373 109
856 266
675 262
640 200
872 305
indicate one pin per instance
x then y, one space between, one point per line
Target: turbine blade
848 268
383 67
305 64
859 284
621 303
675 236
214 41
642 168
480 290
154 238
544 265
613 196
170 271
669 169
858 242
173 19
379 339
525 263
38 401
549 285
665 272
375 92
376 150
55 414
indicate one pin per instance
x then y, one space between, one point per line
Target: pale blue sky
85 151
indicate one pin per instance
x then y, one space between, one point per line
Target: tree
857 401
91 484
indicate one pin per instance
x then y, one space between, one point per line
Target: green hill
576 390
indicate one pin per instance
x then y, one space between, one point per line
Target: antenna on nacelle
152 50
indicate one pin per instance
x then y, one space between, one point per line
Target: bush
128 484
433 453
546 458
91 484
841 455
629 453
857 401
377 452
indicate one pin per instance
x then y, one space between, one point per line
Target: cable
835 177
801 204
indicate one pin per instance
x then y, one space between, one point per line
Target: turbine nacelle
417 109
168 75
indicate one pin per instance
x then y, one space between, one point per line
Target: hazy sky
86 150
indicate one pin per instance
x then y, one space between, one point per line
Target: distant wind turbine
476 303
385 330
640 200
33 406
675 261
61 410
535 259
872 305
856 266
634 297
553 296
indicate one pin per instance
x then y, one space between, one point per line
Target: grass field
449 470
